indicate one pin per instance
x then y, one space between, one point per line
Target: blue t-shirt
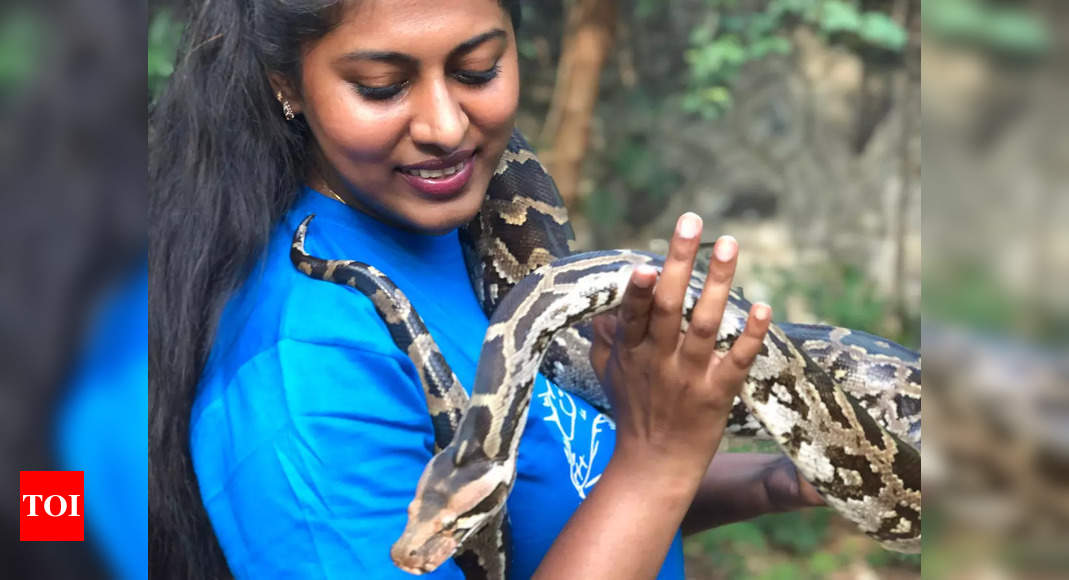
102 426
310 429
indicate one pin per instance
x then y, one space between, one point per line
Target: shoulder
282 331
278 302
292 352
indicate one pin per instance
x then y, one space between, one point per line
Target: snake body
485 553
843 405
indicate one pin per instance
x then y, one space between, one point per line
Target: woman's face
412 104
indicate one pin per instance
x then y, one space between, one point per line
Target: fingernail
689 225
648 275
726 247
762 311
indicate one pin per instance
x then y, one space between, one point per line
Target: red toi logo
51 506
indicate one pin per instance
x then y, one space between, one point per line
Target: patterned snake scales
844 405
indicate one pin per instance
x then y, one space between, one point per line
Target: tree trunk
588 38
906 86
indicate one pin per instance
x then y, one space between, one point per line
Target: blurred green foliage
20 46
735 34
1000 26
839 294
164 32
969 293
790 545
636 185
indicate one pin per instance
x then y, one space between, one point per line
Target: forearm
741 486
625 527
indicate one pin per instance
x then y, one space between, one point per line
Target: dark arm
740 486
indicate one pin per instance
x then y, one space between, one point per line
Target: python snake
843 405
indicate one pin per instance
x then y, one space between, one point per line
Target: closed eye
380 93
478 77
468 77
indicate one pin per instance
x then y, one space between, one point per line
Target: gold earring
287 110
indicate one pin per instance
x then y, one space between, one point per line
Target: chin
458 212
447 217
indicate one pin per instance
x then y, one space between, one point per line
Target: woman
285 427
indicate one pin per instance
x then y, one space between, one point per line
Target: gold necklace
332 194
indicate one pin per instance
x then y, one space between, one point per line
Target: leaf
838 16
780 8
761 25
717 95
881 30
769 46
717 59
822 564
733 23
701 35
728 50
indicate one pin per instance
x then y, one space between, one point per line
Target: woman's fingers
735 365
666 314
700 340
632 324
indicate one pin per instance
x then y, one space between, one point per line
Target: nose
438 121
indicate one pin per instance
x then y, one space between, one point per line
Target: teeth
435 173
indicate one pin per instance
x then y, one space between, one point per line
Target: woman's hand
671 393
671 398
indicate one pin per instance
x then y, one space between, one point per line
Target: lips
434 173
442 177
450 160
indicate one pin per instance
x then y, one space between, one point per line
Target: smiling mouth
441 167
441 178
435 173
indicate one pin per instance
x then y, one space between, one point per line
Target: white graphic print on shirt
579 428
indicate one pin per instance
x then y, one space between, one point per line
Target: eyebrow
404 59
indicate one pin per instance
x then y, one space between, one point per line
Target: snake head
452 503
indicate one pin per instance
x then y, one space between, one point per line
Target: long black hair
224 166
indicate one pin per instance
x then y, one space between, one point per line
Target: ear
280 84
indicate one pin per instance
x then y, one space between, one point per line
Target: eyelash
478 77
471 78
381 93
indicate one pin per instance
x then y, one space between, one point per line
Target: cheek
350 127
494 108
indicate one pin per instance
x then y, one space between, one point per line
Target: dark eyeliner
380 93
478 77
